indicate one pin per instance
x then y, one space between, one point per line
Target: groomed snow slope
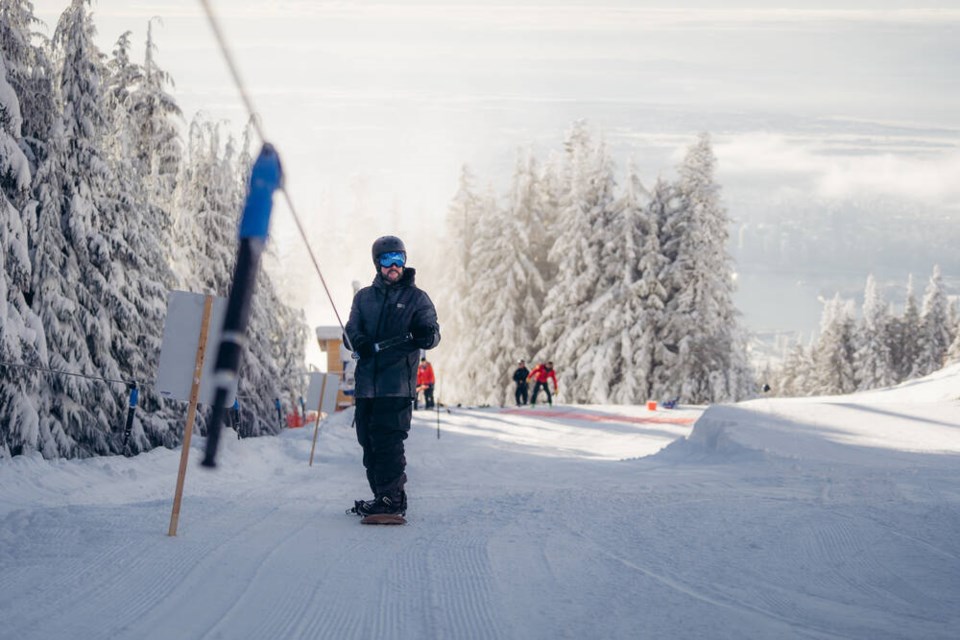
813 518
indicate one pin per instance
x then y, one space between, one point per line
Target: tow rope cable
255 119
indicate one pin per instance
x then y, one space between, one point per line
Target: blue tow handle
265 178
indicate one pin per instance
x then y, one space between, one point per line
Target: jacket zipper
376 356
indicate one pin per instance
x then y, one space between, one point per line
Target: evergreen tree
507 296
209 198
796 373
650 353
568 329
458 316
30 75
934 335
953 353
485 359
904 333
78 236
873 361
21 333
543 222
124 75
211 192
953 319
620 312
833 354
139 273
530 216
154 112
702 321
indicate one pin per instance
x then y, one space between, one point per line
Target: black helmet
385 244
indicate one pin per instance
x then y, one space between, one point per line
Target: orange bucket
651 405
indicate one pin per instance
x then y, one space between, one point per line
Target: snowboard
384 518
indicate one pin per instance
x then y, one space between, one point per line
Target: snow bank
875 427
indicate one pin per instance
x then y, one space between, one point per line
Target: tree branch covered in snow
103 215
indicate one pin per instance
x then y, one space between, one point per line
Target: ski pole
265 178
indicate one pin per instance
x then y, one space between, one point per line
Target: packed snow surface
805 518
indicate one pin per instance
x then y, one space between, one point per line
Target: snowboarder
543 373
520 377
390 322
425 382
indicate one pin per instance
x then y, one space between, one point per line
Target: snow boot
361 507
387 510
390 505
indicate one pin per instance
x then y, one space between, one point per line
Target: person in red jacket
425 382
542 373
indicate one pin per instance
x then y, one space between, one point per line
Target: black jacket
383 311
520 375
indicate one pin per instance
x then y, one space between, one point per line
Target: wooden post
316 428
191 415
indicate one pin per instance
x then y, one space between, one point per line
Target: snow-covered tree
21 333
30 75
834 351
903 336
154 112
506 298
211 192
124 74
796 371
650 352
628 276
458 317
78 235
139 274
873 360
934 335
620 368
544 220
953 319
953 353
530 215
568 328
482 356
209 198
701 318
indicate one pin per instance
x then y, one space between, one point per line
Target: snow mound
875 428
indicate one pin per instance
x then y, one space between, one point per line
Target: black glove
363 348
423 337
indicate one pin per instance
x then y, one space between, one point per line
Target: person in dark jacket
520 377
390 322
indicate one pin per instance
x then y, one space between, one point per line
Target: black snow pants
536 392
382 426
521 393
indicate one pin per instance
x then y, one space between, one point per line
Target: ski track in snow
569 525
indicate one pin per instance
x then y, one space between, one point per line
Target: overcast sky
388 99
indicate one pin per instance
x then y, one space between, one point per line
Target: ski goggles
392 259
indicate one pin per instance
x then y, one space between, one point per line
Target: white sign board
178 353
329 404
